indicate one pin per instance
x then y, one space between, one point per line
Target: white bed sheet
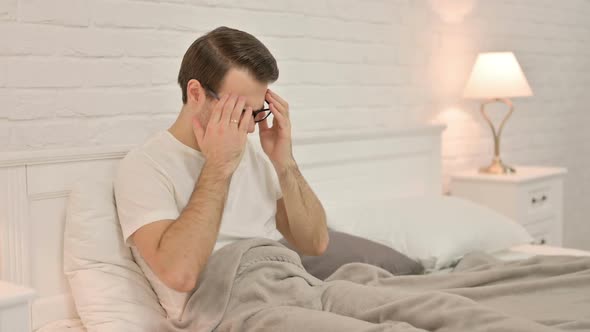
527 251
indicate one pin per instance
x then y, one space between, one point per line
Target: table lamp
495 77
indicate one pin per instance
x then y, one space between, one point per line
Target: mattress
515 253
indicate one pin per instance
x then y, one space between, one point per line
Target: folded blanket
260 285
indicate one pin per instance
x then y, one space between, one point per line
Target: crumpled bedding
260 285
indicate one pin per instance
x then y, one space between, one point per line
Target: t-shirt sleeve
143 194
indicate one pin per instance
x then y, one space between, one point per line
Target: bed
384 164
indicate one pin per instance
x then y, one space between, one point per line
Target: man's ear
195 93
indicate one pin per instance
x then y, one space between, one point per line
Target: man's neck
183 131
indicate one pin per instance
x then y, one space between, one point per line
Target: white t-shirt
156 180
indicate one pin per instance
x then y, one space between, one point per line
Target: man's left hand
276 141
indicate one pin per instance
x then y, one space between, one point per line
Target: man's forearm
305 213
189 241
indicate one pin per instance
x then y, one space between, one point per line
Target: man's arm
301 219
177 250
300 215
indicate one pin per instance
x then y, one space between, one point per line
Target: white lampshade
496 75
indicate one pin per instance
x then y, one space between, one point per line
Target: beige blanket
259 285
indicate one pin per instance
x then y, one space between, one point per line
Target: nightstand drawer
15 318
15 310
540 229
539 199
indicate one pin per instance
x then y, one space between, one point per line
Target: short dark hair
210 57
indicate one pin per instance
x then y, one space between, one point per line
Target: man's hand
276 141
223 142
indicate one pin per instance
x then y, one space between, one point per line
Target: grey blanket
260 285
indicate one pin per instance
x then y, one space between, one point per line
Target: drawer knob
536 200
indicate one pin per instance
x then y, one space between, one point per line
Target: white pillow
434 230
110 291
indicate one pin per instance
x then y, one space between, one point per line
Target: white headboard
340 166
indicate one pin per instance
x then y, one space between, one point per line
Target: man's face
240 82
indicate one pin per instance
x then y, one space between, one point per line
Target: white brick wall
551 39
96 72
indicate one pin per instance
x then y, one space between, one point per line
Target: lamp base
497 167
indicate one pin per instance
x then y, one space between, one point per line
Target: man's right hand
223 142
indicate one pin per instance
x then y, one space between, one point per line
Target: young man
200 185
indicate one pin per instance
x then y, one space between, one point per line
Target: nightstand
15 307
533 197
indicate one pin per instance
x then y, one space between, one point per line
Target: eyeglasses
259 115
